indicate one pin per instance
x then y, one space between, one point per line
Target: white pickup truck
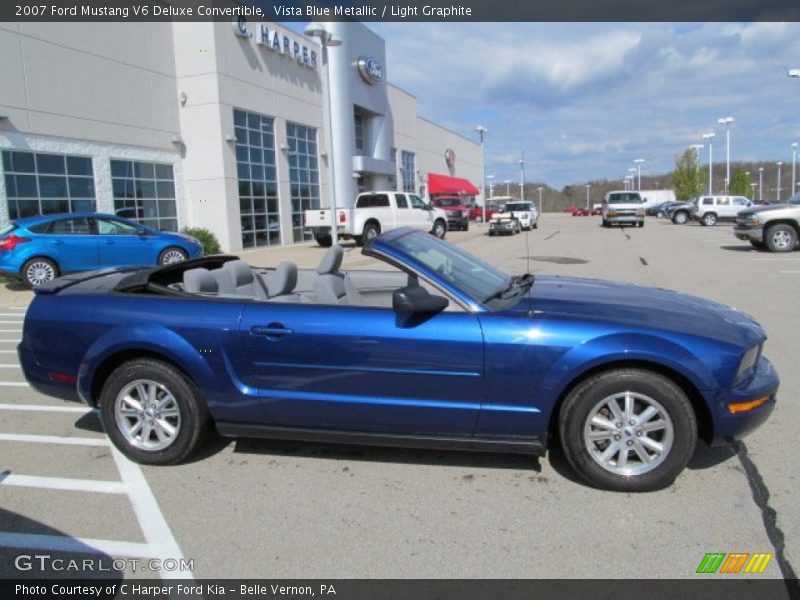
373 213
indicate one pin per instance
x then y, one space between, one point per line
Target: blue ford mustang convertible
439 349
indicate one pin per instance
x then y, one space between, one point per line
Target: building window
258 187
407 167
303 175
40 183
361 123
393 160
145 192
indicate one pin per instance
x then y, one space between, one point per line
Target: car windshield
794 199
447 202
461 269
624 199
518 207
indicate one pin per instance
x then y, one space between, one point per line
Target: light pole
588 187
326 40
709 137
727 122
508 186
491 185
639 162
481 132
779 164
540 199
522 177
794 168
760 184
753 191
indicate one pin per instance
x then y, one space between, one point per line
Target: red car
571 209
492 206
458 214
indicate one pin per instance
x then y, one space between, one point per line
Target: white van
623 208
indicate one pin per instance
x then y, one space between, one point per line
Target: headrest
199 281
282 280
332 260
240 271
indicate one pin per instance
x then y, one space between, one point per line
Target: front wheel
153 414
172 255
680 217
709 219
38 271
628 430
781 238
439 229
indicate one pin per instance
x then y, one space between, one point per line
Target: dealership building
215 124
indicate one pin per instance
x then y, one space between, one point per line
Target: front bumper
730 426
501 227
625 219
454 222
753 233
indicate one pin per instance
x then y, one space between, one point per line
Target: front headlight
750 219
746 365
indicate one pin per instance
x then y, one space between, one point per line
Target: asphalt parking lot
277 509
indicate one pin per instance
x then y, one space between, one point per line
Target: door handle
273 330
108 242
58 242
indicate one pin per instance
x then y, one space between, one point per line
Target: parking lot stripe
10 367
8 351
74 544
151 520
19 322
53 439
43 408
15 341
13 384
10 315
10 330
62 483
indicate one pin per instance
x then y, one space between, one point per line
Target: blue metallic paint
490 374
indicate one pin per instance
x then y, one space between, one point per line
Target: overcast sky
585 100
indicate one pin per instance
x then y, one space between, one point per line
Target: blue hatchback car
437 349
38 249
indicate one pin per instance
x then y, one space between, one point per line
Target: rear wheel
371 231
324 240
172 255
38 271
781 238
709 219
628 430
153 413
680 217
439 229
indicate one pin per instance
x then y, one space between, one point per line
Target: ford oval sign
371 70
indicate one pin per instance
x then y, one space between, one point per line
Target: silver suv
710 209
775 228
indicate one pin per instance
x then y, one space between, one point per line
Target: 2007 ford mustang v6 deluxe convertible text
440 350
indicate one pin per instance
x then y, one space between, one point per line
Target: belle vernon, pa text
177 591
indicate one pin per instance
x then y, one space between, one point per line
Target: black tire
780 237
641 223
38 270
758 245
709 219
371 231
491 234
582 403
680 217
193 425
324 241
535 225
605 223
466 226
439 229
171 255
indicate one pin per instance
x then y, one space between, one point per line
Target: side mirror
143 232
410 300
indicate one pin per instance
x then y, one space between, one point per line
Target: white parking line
62 483
73 544
151 520
13 384
8 351
790 258
11 322
10 315
53 439
17 307
10 330
10 367
16 341
44 408
790 271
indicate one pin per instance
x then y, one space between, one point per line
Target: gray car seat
281 283
244 280
200 281
331 286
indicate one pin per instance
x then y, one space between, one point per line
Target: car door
739 203
121 244
359 368
71 242
419 215
405 212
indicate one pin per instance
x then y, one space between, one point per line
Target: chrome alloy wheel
782 239
628 433
39 272
147 415
172 256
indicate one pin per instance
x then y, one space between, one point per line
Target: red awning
444 184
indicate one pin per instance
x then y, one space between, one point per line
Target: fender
620 347
148 337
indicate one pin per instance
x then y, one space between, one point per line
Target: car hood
637 306
764 208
